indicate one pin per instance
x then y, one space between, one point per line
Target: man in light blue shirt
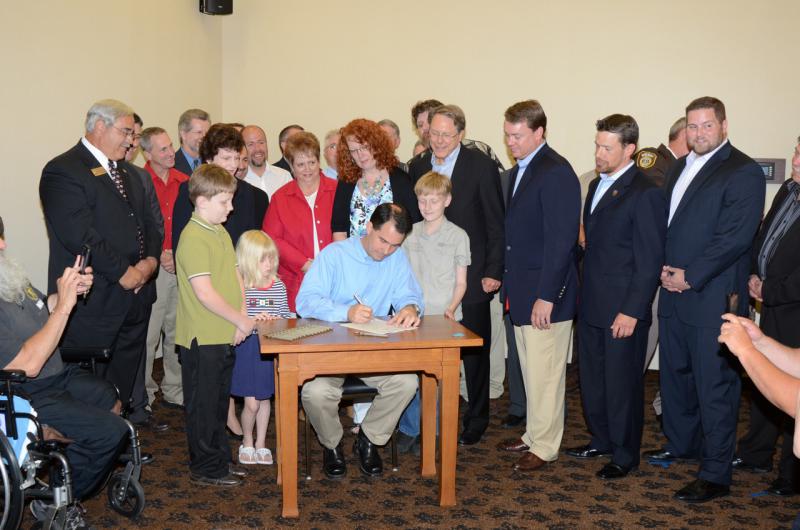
354 280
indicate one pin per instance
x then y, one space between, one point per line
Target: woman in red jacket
299 214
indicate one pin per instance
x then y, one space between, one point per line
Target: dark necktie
195 163
116 177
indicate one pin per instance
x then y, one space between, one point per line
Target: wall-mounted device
216 7
774 169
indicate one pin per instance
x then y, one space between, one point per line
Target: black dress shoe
586 451
469 438
660 455
369 461
702 491
226 481
781 487
740 464
511 421
612 471
333 463
236 470
150 422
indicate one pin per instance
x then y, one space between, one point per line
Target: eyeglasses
358 150
128 133
443 135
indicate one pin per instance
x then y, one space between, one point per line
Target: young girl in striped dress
253 377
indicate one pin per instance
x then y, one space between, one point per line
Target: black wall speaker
216 7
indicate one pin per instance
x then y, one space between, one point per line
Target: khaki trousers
321 398
543 360
497 349
161 331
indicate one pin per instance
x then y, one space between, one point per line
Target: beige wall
158 56
321 64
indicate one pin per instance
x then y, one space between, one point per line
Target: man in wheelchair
80 406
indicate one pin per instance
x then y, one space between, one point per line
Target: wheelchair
22 481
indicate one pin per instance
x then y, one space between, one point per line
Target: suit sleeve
69 216
181 212
649 231
494 215
743 203
561 205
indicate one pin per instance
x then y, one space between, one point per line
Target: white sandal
263 456
247 455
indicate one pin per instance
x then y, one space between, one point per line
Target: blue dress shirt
344 269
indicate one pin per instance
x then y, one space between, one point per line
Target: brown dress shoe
513 445
529 462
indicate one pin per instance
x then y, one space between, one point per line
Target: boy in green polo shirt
210 319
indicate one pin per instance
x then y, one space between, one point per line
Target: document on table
376 326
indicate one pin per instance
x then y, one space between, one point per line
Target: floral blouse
361 208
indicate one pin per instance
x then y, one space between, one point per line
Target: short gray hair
330 134
389 123
677 127
108 110
147 137
453 112
185 121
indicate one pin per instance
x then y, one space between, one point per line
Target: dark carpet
564 495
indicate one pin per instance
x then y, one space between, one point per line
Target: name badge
97 171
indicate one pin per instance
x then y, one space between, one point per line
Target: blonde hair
432 182
253 246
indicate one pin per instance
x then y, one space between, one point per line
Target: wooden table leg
288 456
278 450
449 428
428 424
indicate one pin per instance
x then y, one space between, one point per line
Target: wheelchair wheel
129 502
11 495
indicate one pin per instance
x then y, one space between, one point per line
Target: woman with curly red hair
368 177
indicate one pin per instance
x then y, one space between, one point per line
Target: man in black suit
476 207
192 127
624 221
283 136
91 196
541 277
775 282
715 197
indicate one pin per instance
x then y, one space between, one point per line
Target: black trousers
476 367
206 372
517 399
78 404
757 447
128 351
612 389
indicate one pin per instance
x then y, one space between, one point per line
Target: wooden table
432 349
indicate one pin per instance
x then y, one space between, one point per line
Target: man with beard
192 127
260 172
715 197
68 399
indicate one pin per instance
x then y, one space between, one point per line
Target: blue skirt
253 376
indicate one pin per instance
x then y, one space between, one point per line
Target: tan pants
321 398
497 349
543 360
161 330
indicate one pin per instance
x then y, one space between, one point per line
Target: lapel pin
615 193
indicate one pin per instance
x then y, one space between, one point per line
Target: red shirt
167 193
288 223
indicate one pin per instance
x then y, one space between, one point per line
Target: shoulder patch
646 159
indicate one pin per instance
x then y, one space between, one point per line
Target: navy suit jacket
182 165
542 220
624 249
711 236
81 208
477 208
